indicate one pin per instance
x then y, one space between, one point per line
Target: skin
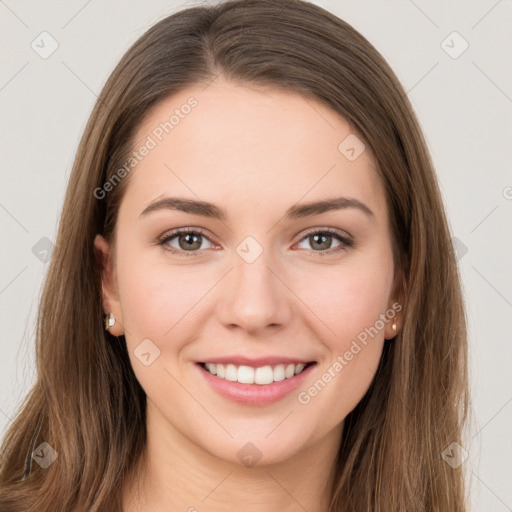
254 152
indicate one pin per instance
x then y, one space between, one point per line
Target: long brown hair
390 457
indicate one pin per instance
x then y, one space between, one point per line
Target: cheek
158 299
158 304
349 299
348 310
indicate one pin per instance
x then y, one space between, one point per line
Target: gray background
464 105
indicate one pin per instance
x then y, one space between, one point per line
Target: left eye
322 240
191 241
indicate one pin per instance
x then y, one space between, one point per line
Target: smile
262 375
255 383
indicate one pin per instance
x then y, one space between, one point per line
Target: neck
176 474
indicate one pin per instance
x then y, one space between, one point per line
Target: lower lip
255 394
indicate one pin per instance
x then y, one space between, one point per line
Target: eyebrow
297 211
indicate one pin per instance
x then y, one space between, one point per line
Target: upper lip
256 362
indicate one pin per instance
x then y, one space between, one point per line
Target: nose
255 297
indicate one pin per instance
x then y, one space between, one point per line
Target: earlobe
107 284
392 329
396 308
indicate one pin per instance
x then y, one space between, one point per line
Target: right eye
184 241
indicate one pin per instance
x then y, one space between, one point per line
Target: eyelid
344 235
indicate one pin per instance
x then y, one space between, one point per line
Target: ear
109 294
396 309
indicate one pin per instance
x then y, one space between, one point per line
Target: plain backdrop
460 85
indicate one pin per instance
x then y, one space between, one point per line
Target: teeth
264 375
212 368
221 372
231 372
290 371
279 372
245 375
249 375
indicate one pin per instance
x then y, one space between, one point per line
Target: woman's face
251 285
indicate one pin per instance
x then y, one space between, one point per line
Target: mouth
254 383
260 375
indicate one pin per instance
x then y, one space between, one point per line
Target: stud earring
110 320
393 326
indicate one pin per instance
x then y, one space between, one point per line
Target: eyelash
346 242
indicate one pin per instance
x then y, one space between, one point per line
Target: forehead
246 145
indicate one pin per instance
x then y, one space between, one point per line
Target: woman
253 302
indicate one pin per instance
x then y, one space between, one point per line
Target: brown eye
321 241
189 241
184 241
